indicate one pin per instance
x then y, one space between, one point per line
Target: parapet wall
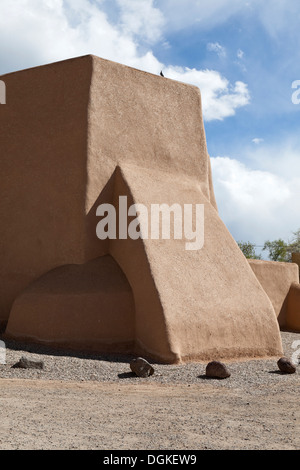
293 308
276 279
296 259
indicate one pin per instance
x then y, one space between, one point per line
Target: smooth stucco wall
43 150
296 259
276 279
293 308
77 306
121 131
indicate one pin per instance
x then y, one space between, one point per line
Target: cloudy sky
243 55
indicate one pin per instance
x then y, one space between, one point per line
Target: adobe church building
81 133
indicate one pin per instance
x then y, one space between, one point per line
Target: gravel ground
70 366
85 402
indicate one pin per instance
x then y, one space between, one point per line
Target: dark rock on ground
217 370
25 363
141 367
286 366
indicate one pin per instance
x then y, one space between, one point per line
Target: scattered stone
141 367
286 366
217 370
25 363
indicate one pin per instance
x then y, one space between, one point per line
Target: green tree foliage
294 245
278 250
249 250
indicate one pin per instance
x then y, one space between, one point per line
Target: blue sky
244 57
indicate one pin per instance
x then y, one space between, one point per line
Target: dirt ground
257 408
54 415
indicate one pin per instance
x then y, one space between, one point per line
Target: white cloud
282 158
258 204
257 140
280 20
140 17
55 30
216 47
220 99
240 54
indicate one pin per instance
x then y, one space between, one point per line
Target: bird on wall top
161 74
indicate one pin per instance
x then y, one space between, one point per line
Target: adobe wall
276 279
94 300
293 308
43 148
87 131
211 306
296 259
